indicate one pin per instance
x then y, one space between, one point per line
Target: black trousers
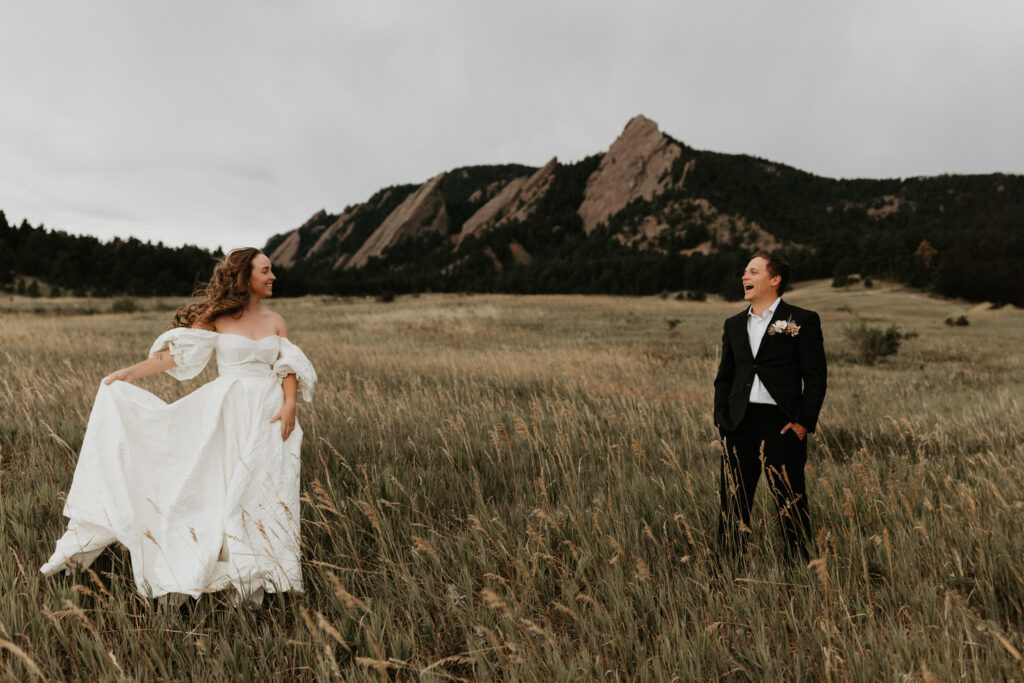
756 446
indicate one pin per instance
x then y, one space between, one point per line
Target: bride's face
261 280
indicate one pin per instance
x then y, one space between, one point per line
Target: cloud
223 123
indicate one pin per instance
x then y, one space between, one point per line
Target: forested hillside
83 265
652 214
649 214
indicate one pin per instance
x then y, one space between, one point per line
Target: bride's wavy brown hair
226 293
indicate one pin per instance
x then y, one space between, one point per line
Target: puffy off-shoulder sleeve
292 360
191 349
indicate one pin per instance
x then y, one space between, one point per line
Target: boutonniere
786 327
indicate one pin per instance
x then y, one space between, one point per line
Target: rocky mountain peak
634 166
515 202
287 253
420 213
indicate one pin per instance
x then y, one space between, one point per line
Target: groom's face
758 284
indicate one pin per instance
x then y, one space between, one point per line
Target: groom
768 392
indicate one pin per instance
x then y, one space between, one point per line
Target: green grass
501 487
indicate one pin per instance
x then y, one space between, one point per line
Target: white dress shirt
757 326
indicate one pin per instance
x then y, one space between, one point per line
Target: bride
203 492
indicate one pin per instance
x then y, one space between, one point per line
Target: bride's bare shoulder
279 324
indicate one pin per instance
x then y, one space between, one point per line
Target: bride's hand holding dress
160 362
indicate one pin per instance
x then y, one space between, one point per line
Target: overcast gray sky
222 122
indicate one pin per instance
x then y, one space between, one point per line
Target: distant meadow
501 487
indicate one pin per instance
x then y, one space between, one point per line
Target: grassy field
501 487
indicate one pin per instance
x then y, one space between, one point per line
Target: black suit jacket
792 369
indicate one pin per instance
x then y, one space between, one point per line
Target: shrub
873 343
125 305
162 305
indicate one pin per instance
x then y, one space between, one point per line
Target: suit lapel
740 336
780 314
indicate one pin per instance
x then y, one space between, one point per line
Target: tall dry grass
506 487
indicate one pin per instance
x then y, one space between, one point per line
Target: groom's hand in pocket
797 428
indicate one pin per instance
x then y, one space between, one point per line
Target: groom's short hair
776 266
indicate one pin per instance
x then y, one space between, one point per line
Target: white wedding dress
203 492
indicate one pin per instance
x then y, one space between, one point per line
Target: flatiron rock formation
514 202
287 253
422 212
636 166
652 214
336 232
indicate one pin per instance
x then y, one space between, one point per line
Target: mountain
653 214
649 214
